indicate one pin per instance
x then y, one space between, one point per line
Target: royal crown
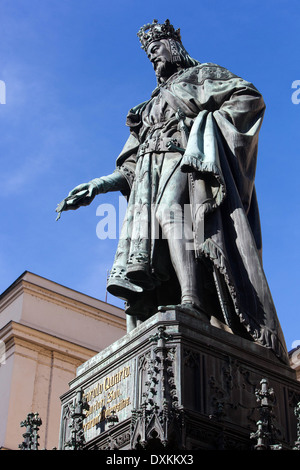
155 32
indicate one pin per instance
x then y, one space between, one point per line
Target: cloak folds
217 128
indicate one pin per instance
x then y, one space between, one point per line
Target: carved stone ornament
157 421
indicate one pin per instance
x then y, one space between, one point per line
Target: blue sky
73 68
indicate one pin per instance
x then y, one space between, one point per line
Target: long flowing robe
204 122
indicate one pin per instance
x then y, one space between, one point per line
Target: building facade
46 332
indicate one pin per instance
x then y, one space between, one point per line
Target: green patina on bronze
192 144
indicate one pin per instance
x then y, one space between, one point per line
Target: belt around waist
160 144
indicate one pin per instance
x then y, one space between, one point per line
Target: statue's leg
187 271
173 217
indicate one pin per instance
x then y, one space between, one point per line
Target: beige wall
48 330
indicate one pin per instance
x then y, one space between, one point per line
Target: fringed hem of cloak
261 335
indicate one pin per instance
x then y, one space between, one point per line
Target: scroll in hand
71 202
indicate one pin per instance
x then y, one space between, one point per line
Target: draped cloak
204 121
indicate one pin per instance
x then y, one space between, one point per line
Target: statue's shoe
123 288
189 308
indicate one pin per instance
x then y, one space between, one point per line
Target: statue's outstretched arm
83 194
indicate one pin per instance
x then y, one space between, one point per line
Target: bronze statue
191 238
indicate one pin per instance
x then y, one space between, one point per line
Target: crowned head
171 50
155 32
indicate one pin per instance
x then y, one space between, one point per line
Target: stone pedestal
176 384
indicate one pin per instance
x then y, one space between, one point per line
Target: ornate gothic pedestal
174 384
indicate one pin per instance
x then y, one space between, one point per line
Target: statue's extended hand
81 195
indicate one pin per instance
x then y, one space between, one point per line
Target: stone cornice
73 304
15 334
57 294
10 295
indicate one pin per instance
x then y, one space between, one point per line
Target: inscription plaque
110 395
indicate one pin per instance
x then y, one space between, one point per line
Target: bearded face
159 54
